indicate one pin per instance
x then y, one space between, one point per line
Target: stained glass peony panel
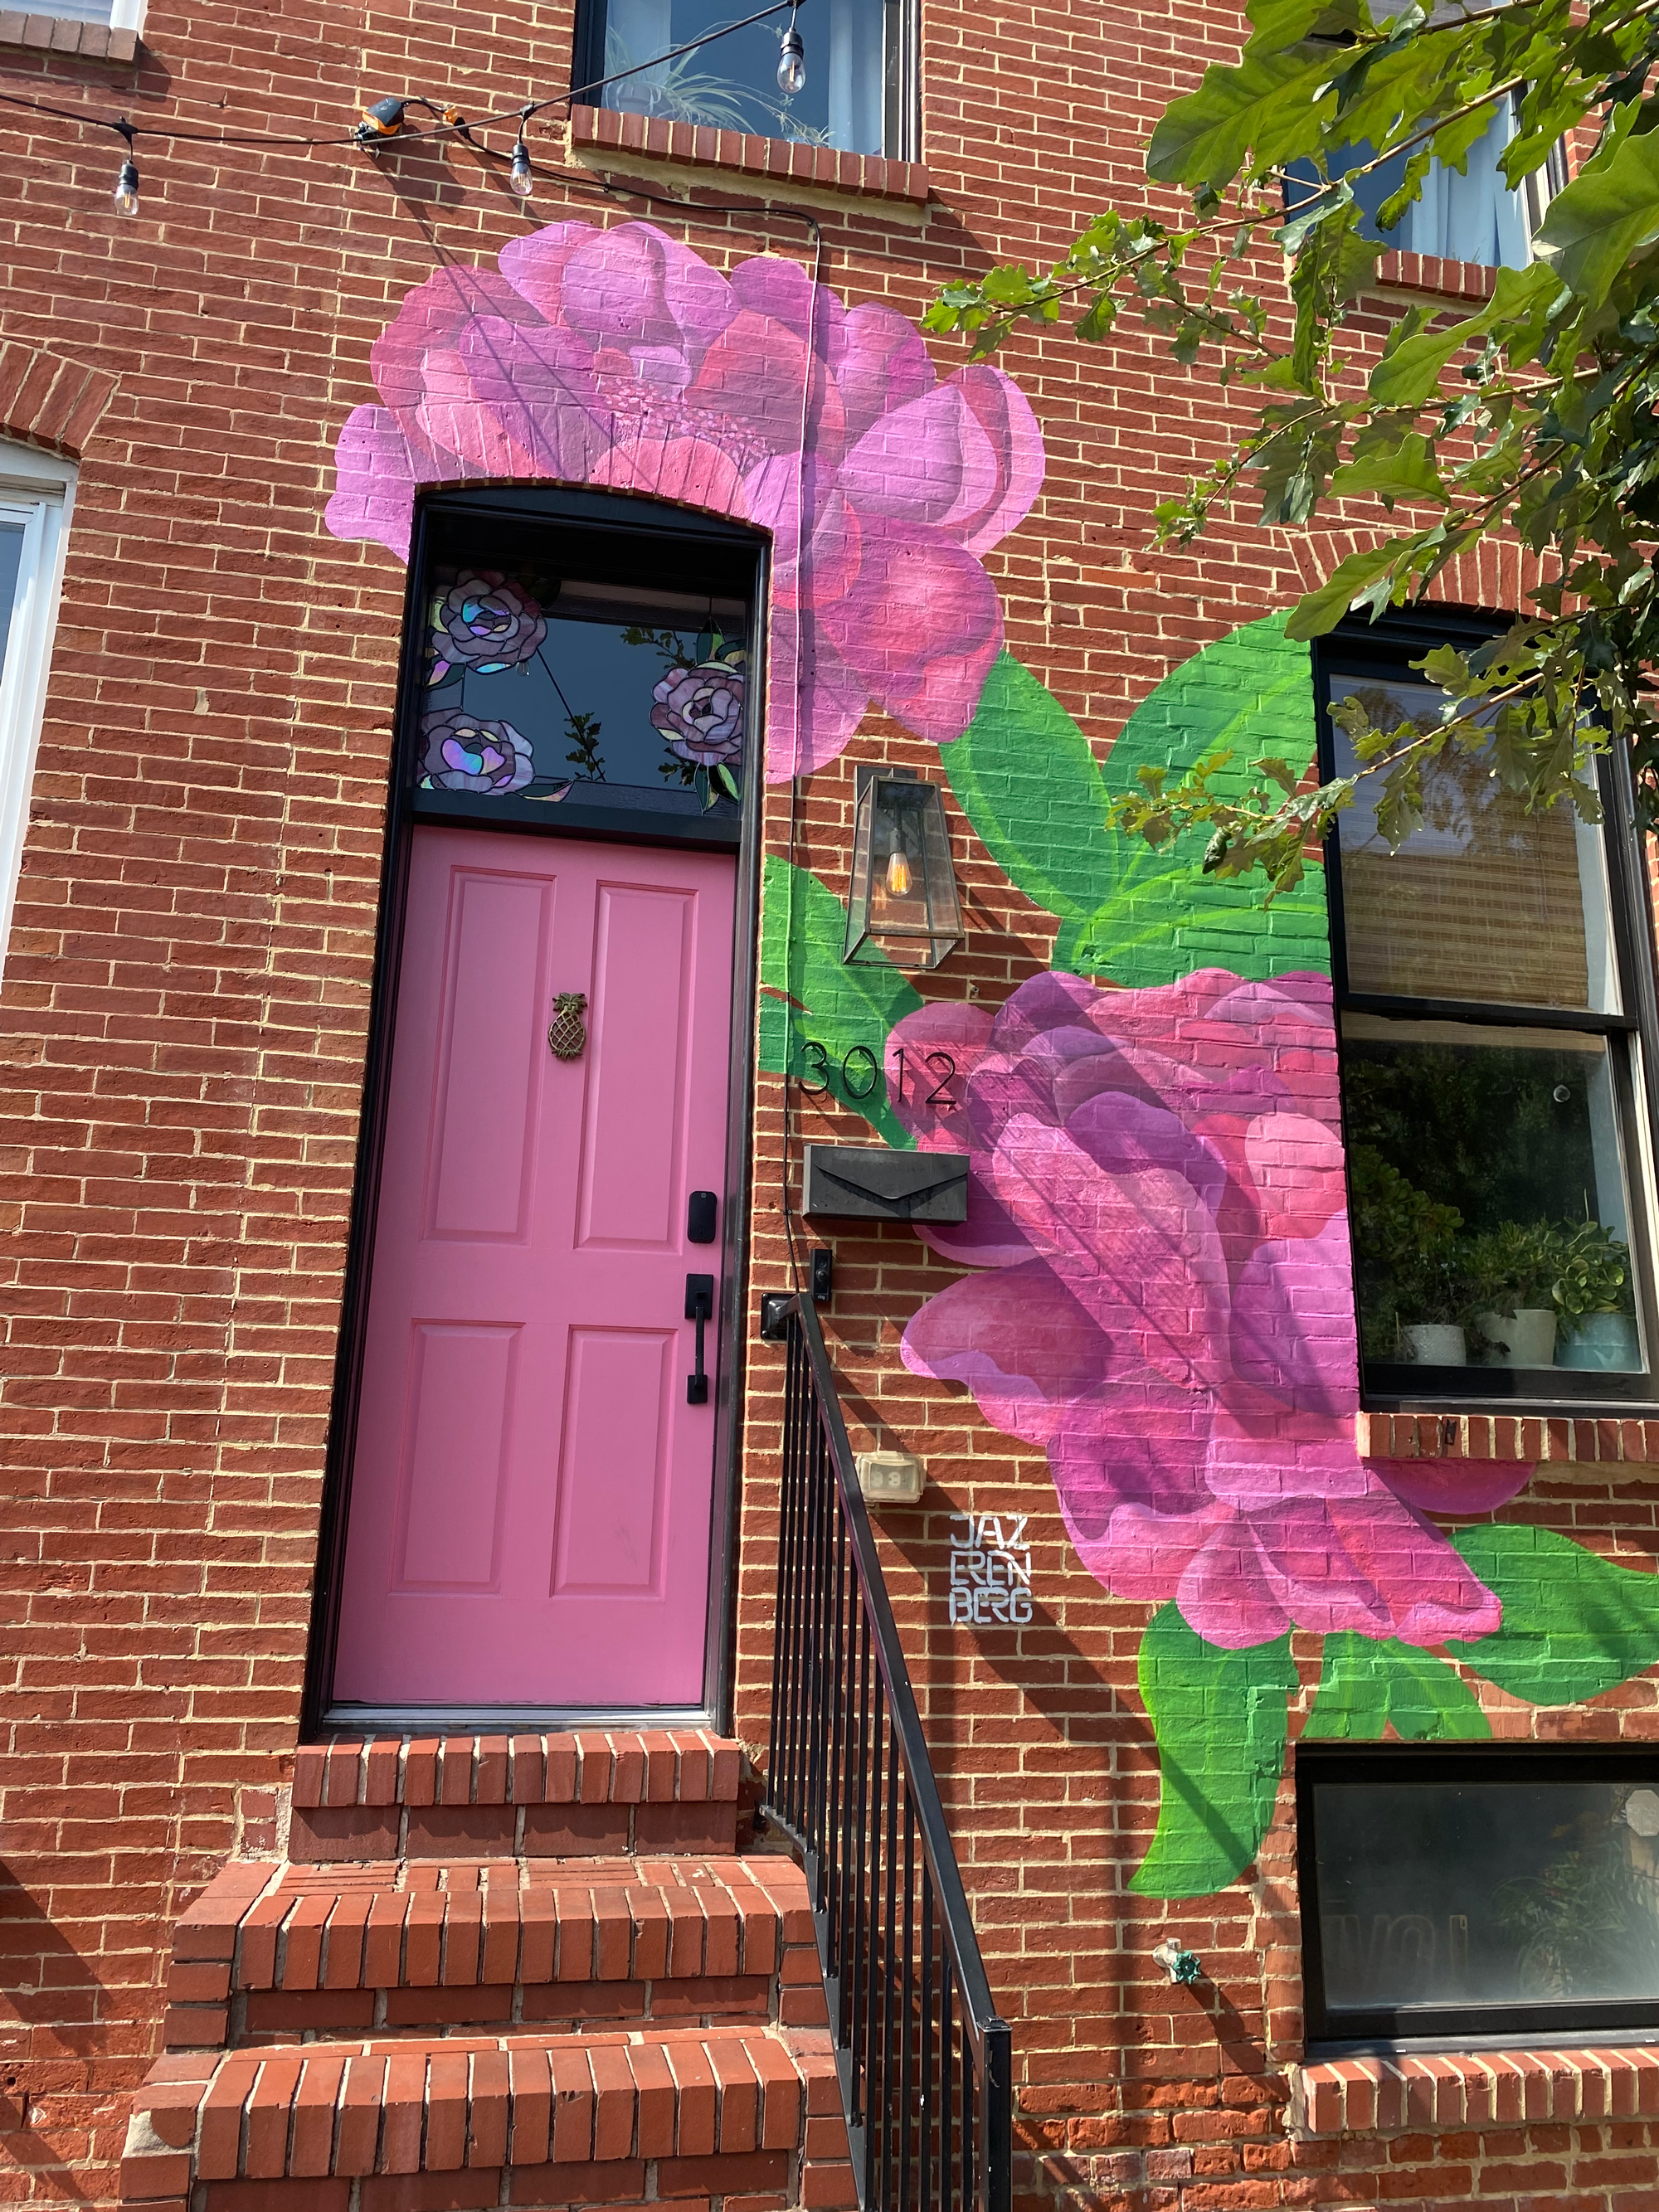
540 687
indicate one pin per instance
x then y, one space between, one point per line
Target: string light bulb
520 176
898 873
792 61
126 181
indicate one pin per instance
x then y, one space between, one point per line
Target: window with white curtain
37 491
857 97
1474 213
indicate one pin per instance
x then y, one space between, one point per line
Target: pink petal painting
1165 1306
620 358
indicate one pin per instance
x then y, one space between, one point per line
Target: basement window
1476 1894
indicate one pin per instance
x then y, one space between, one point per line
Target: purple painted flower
619 357
700 713
460 753
1164 1305
485 622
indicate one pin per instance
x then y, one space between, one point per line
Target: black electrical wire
461 126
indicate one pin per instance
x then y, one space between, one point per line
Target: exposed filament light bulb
126 182
898 873
520 177
792 62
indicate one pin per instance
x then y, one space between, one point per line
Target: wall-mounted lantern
902 899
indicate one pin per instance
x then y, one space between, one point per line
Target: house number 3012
860 1073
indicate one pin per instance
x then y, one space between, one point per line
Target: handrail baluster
924 2062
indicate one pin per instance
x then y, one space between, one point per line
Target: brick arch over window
1498 575
48 401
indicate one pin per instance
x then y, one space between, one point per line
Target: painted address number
860 1073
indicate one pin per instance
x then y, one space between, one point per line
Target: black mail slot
874 1184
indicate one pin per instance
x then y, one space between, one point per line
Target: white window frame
37 491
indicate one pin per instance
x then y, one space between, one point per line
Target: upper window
1484 1893
36 491
578 676
119 14
857 94
1474 213
1491 978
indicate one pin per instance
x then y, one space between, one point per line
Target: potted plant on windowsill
1410 1303
1510 1275
1593 1296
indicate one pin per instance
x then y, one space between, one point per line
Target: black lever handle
699 1307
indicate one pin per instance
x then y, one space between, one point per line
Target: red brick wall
184 1023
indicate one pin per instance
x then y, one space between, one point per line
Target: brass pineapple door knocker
567 1037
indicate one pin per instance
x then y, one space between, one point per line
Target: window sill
1536 1437
67 36
1466 2089
773 160
1423 272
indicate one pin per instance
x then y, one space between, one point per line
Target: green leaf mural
1574 1625
808 995
1026 778
1220 1719
1366 1686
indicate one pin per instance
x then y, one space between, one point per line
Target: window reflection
732 84
1489 1184
11 555
1468 1894
1486 901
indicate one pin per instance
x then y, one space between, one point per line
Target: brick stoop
589 1795
525 2121
269 1952
529 1971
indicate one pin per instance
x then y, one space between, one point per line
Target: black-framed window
1484 1894
581 664
860 92
1494 994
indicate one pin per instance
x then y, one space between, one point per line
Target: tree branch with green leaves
1535 416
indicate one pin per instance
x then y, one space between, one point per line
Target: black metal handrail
924 2062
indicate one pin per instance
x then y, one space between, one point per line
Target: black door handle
699 1307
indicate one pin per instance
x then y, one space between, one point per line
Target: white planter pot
1606 1341
1526 1339
1436 1344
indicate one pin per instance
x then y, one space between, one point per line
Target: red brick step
271 1952
526 2121
593 1794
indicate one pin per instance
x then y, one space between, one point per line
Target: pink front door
529 1522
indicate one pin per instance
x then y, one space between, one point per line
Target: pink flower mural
1164 1302
620 358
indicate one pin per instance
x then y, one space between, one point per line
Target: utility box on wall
890 1478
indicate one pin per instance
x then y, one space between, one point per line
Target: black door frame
612 515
